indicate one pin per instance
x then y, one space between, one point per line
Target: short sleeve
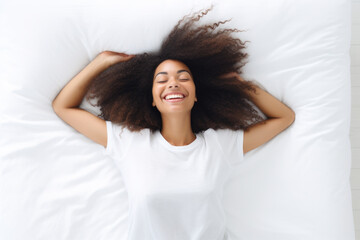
118 140
231 142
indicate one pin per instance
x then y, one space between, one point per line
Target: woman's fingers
111 57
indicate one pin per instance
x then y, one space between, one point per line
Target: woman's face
173 87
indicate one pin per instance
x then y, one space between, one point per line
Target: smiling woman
175 121
174 96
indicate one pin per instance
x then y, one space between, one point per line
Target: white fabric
175 192
56 184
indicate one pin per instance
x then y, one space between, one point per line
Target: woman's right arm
66 103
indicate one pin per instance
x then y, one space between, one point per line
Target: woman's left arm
279 116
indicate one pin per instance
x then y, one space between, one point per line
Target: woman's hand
232 74
72 94
108 58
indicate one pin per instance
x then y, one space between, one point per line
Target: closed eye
166 80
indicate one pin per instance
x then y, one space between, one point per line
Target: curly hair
124 90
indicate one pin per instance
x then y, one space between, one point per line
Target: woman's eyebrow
182 70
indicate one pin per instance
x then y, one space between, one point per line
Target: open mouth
174 98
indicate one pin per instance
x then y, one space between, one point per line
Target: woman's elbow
291 117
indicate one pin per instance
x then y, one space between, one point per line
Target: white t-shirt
175 192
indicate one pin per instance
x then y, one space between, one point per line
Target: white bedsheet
56 184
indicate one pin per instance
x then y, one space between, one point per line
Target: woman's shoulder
221 131
121 128
222 134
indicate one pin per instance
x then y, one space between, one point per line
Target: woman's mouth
174 98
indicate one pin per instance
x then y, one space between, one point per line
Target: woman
175 121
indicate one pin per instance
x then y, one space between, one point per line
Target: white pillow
56 184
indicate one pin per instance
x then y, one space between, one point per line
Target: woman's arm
66 103
279 117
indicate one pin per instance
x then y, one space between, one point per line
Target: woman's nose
173 83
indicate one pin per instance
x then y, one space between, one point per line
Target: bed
57 184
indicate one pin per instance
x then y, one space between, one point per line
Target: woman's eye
166 80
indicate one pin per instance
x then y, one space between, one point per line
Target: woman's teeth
174 98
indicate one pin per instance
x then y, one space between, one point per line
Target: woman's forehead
171 65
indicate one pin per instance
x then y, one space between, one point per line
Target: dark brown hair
124 90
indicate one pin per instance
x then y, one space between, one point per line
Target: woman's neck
176 129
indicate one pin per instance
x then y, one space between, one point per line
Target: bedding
57 184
